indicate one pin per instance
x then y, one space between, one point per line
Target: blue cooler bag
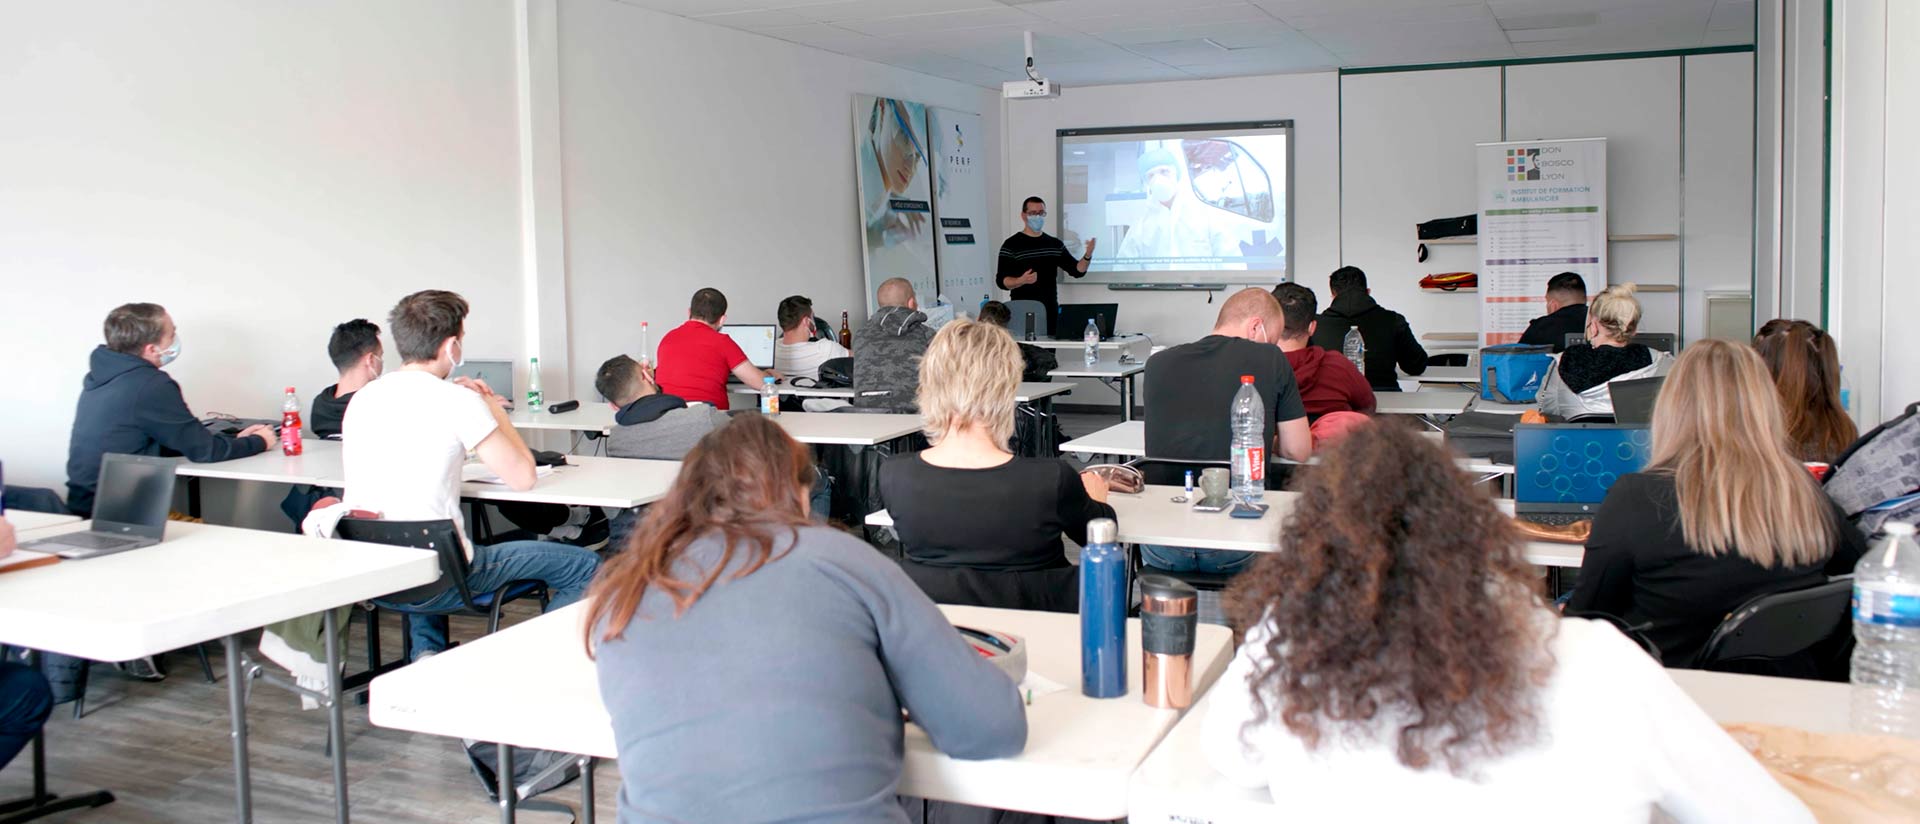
1513 373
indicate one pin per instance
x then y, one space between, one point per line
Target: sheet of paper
1039 685
23 556
479 473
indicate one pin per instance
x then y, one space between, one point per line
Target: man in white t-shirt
407 436
798 355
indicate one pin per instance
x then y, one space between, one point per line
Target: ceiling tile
1248 32
1078 11
1267 61
1395 13
820 36
1407 54
846 11
1106 73
689 8
941 21
754 20
1731 14
1238 13
1727 37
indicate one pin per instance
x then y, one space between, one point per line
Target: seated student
129 406
887 350
406 437
1399 665
799 354
1577 383
1566 313
977 525
756 666
25 698
1722 513
649 423
1390 341
1805 363
695 359
1189 395
1036 361
357 355
1335 394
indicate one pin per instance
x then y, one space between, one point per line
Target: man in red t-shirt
1337 397
695 359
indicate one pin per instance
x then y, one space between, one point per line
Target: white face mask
379 367
172 352
1160 189
457 351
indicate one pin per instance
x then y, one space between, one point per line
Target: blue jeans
1212 561
565 568
25 703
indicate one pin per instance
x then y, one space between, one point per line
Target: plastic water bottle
290 425
534 395
1249 444
769 396
1846 395
646 355
1092 337
1355 348
1886 636
1103 612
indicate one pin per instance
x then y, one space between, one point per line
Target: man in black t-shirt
1030 261
1189 394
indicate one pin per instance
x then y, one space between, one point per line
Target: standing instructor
1030 261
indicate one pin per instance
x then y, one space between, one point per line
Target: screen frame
1547 430
1217 277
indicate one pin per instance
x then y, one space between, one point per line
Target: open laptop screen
136 491
1574 463
755 339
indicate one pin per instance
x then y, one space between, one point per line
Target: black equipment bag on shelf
1450 227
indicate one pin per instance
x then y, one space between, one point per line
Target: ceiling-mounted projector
1034 86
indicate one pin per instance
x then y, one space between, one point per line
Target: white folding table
24 521
1129 440
532 685
847 428
592 416
1176 784
1426 402
1446 374
202 583
1112 372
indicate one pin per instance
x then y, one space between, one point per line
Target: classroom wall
701 156
263 170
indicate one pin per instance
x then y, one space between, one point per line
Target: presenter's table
203 583
531 685
1177 784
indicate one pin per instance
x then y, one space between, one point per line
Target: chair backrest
1779 625
1662 341
439 536
1018 324
1573 339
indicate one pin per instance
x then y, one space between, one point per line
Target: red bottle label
290 434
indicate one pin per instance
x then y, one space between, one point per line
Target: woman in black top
978 525
1723 513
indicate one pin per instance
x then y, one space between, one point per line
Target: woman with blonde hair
1805 363
1723 512
977 525
755 665
1577 383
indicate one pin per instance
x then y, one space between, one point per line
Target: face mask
1160 189
1035 222
458 351
379 367
171 353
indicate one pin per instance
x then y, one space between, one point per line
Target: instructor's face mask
172 352
1160 188
1036 222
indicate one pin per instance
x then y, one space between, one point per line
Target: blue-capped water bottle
1103 612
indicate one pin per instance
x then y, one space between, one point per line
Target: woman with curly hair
1399 665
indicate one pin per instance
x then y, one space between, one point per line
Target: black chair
1780 627
1632 632
441 537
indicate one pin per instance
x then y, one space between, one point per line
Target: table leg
509 795
586 789
336 716
193 496
1126 398
237 709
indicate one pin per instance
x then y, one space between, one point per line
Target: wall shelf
1469 240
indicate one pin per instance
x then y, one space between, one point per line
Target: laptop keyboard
89 540
1555 518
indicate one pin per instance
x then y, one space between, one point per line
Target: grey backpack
1883 465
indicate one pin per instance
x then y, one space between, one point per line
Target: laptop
1633 400
129 509
498 375
1562 471
1072 323
755 339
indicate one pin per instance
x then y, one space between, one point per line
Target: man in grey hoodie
887 351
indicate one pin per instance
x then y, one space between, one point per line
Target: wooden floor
163 750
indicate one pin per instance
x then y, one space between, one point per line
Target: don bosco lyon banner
1543 211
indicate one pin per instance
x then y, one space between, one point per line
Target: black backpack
1881 466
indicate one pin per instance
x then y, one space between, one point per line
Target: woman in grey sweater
756 665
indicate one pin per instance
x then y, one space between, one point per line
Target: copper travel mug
1169 618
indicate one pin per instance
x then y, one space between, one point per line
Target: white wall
702 156
264 171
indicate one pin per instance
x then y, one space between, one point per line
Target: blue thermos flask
1103 612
